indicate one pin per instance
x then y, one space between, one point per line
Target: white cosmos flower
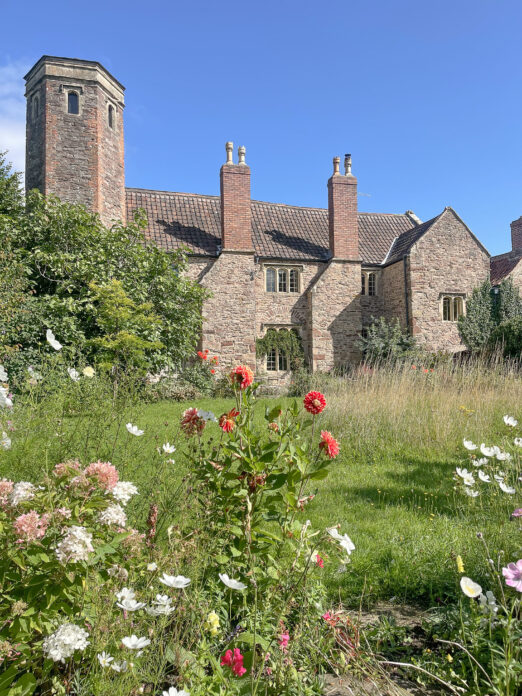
470 588
468 444
123 491
130 605
152 567
135 643
489 451
162 606
499 476
104 659
73 374
168 448
518 441
480 462
134 430
207 415
505 488
471 492
343 539
230 582
484 477
51 340
176 581
175 692
509 420
5 441
466 476
119 666
503 456
125 593
5 399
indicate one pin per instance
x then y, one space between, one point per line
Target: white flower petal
509 420
134 430
176 581
470 588
468 444
51 340
230 582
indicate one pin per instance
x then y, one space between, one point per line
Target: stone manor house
321 272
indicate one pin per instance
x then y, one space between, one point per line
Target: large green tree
59 253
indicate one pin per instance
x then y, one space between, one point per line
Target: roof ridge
172 193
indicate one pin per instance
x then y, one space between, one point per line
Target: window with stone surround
282 279
452 307
276 360
271 360
363 283
369 283
73 103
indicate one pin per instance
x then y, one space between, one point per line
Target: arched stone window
452 307
73 103
270 280
110 116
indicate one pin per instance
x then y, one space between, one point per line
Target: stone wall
373 305
447 259
394 297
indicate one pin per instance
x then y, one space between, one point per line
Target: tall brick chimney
342 212
236 217
516 235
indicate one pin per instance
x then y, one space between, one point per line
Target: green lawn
391 488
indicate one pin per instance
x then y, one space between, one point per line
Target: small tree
508 337
386 341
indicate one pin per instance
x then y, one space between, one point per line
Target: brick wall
236 216
342 217
516 235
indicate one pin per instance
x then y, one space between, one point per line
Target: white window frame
287 271
365 283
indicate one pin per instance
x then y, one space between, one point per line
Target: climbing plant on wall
285 341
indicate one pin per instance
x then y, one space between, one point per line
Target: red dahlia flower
191 422
242 375
227 421
329 444
314 402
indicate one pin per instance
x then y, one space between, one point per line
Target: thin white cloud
12 112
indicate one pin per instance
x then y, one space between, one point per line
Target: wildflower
484 477
468 444
518 441
134 643
234 660
470 588
104 659
51 340
242 375
6 488
162 606
489 451
449 658
105 473
134 430
152 567
274 427
73 374
125 593
488 603
314 402
466 476
64 641
123 491
227 421
327 616
22 491
191 422
5 441
503 456
67 467
75 546
317 559
480 462
212 623
460 564
513 575
31 526
506 489
202 355
35 376
5 398
509 420
414 367
212 371
130 604
329 444
207 415
168 448
113 514
119 666
116 571
471 493
88 371
284 639
231 583
175 692
515 513
343 539
176 581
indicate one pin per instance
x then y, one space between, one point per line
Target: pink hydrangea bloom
64 512
67 467
6 488
105 473
31 526
513 575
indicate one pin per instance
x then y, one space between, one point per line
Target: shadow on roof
299 244
190 235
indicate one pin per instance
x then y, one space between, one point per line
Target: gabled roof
404 242
502 265
278 231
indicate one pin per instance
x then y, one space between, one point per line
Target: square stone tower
74 138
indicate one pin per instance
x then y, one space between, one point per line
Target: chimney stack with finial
342 212
236 217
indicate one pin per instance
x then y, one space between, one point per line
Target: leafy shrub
508 336
386 341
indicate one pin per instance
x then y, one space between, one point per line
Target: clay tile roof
502 265
404 242
278 231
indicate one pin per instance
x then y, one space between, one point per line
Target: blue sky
427 96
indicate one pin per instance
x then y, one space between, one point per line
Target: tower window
110 116
73 103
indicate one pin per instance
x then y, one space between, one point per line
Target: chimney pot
241 152
229 147
348 165
336 164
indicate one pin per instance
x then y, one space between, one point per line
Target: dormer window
73 103
110 116
285 280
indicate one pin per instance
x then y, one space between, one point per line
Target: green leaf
7 677
319 475
248 638
25 686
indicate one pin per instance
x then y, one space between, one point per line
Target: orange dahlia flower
314 402
242 375
329 444
227 422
